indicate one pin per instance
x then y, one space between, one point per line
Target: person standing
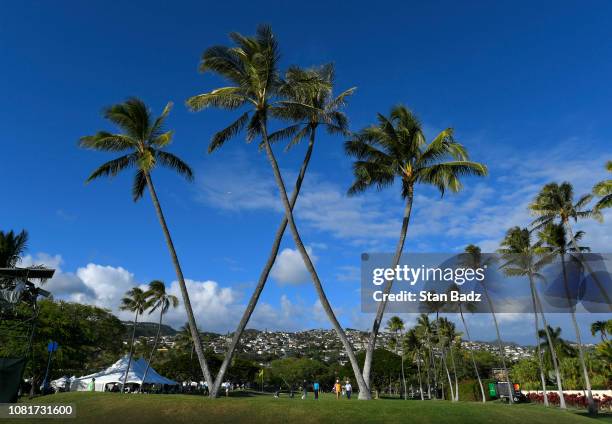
304 389
337 389
315 387
349 389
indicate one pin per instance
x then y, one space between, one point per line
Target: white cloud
289 268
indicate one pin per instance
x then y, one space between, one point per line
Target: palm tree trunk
551 346
450 381
161 314
367 365
129 364
452 355
592 408
404 377
265 272
467 333
538 347
418 358
500 345
364 392
195 335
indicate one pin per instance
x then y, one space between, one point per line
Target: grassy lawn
114 408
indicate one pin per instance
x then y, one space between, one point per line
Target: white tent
115 374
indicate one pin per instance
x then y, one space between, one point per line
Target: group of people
338 388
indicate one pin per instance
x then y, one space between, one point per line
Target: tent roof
115 373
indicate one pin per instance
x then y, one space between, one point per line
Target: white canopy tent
115 374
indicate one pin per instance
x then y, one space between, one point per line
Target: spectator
349 389
315 387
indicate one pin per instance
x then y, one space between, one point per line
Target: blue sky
526 87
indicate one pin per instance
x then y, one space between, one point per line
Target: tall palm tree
425 329
556 201
603 189
396 326
448 335
135 300
601 327
472 258
554 239
560 346
252 67
395 148
522 258
162 301
144 138
412 343
324 111
12 247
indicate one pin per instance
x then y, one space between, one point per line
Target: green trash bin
493 390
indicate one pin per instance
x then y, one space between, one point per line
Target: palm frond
172 161
113 167
228 132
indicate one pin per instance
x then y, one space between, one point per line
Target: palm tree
524 259
561 347
325 111
603 189
252 68
447 335
184 340
425 328
472 258
144 139
556 201
136 301
396 326
412 343
162 301
601 327
12 247
395 148
554 239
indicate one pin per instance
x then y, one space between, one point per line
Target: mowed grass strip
115 408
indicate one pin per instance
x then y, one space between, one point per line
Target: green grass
115 408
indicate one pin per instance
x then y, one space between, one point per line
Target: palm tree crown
12 247
557 201
136 300
603 189
143 136
396 148
158 297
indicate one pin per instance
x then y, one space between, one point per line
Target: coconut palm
12 247
413 343
603 189
601 327
395 148
162 301
554 239
396 326
561 347
325 111
252 67
144 139
522 258
447 335
424 329
137 301
556 201
472 258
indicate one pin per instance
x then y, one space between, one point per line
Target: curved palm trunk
127 371
538 347
499 343
592 408
364 392
195 335
452 355
161 314
367 365
263 277
551 346
448 376
467 333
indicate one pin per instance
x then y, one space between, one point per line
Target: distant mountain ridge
148 329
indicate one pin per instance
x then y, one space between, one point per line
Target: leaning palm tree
601 327
144 138
252 69
603 189
395 148
12 247
554 239
396 326
472 258
556 201
162 301
524 259
324 110
135 300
